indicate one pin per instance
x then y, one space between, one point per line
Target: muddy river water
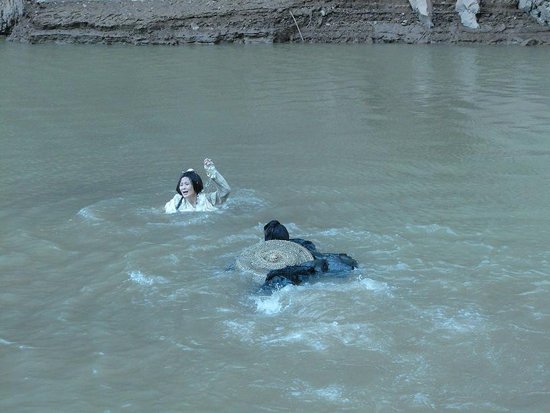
429 165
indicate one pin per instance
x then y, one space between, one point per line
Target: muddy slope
174 22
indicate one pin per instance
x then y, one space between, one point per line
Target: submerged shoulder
305 243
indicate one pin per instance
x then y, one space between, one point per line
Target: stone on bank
539 9
10 11
467 10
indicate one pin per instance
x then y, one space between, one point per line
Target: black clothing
323 264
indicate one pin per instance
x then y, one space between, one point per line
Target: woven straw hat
272 255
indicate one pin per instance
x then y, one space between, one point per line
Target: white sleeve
170 207
222 187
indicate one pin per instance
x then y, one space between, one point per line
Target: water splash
146 280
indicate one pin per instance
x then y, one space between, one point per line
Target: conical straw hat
272 255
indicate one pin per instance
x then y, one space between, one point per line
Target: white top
205 202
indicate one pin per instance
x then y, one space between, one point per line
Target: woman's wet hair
195 179
275 230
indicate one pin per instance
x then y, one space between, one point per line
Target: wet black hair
275 230
195 180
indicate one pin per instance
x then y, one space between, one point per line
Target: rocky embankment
10 12
174 22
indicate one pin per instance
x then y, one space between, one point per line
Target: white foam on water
10 343
431 229
334 232
422 399
301 320
353 283
269 306
173 259
537 290
275 303
88 215
376 286
476 407
480 245
243 330
146 280
462 321
321 336
332 393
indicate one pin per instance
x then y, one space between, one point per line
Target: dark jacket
323 264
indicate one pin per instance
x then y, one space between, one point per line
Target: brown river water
430 165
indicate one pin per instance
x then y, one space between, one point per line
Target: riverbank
171 22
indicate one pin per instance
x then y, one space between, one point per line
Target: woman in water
189 195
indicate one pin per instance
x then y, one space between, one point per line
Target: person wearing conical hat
336 262
280 260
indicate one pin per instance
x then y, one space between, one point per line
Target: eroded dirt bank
174 22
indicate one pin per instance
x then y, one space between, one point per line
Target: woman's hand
209 167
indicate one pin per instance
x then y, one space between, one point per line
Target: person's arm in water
171 206
222 187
